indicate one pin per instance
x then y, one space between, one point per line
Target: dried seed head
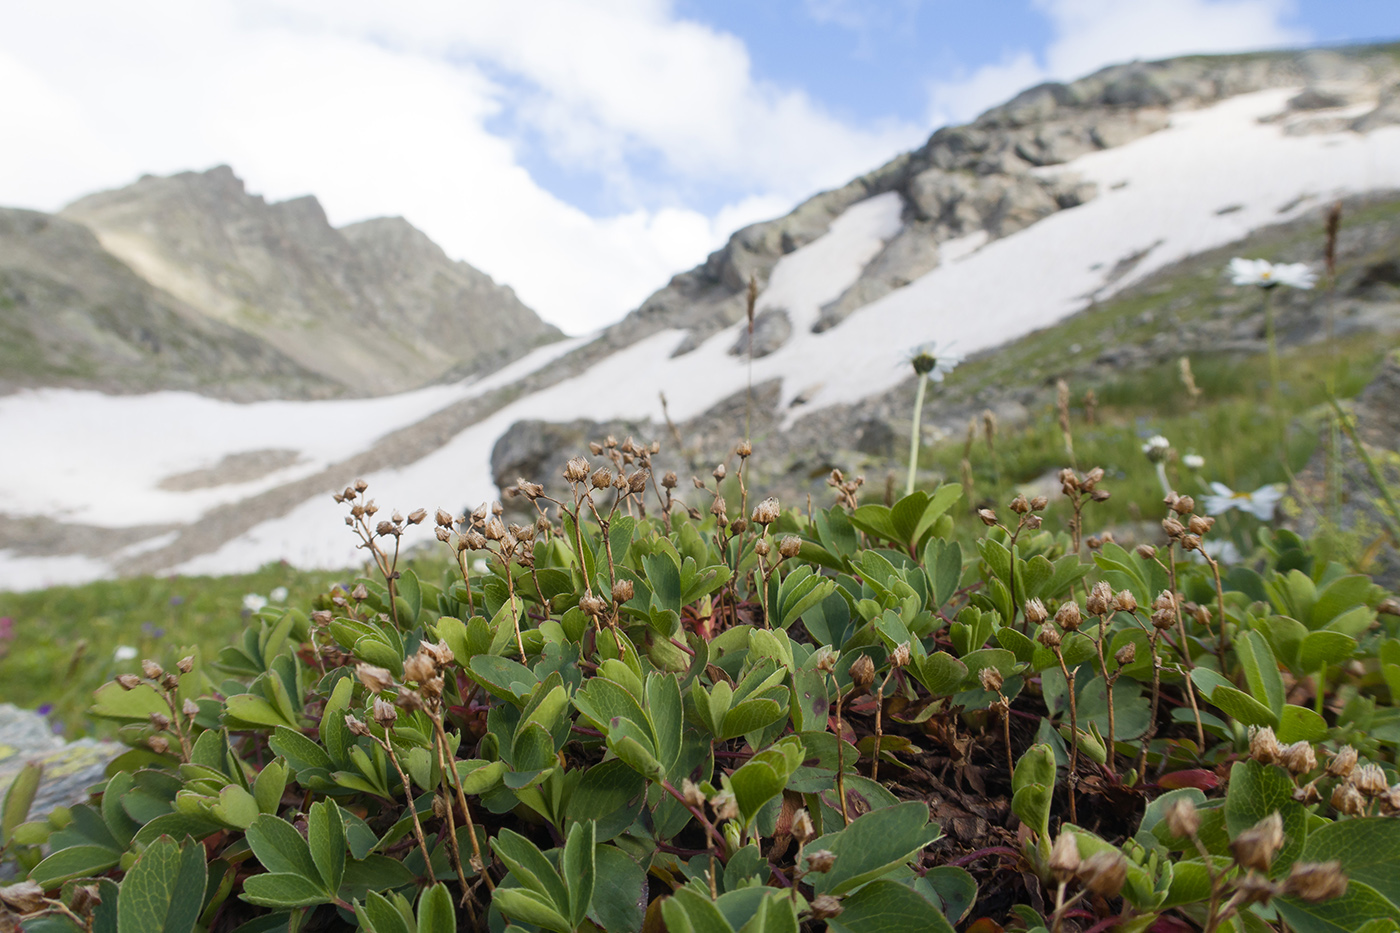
824 907
1125 601
443 533
900 656
988 517
1049 637
622 591
441 654
720 472
802 829
620 482
190 708
720 511
1146 551
1316 881
744 449
377 679
1093 542
766 512
474 540
1020 505
1100 599
1308 794
1068 617
160 721
1370 780
359 593
595 448
494 529
1347 800
1173 528
1034 521
1040 503
1104 872
863 671
151 669
1389 606
1190 542
129 681
386 529
1343 762
158 744
790 547
416 516
692 793
384 712
826 659
1256 847
669 481
821 861
576 470
725 806
602 478
1184 505
592 606
444 518
740 525
356 727
1165 600
85 898
1126 654
761 547
419 668
1299 757
1256 889
170 682
1200 524
990 679
637 482
322 617
1035 611
1390 803
1069 483
1064 858
1182 818
1263 745
185 664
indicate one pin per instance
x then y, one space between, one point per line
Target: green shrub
738 720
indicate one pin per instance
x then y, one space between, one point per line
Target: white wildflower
1156 448
124 653
254 602
1265 274
278 594
928 361
1193 461
1260 503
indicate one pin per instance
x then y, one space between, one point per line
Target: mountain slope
376 307
1058 203
72 314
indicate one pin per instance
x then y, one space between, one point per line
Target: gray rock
70 768
1387 112
771 329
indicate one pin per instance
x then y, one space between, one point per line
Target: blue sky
582 152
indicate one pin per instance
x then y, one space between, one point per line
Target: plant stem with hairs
915 436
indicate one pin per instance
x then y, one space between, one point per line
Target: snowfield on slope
1158 194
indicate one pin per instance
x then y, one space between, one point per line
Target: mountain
282 303
1076 229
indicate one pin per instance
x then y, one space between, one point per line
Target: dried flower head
377 679
129 681
1347 800
1316 881
1020 505
1343 762
1104 872
1100 599
384 712
1125 601
1182 818
863 671
1370 780
1299 757
1068 617
802 829
766 512
419 668
1146 551
900 656
1049 637
989 518
576 470
622 591
725 806
356 727
1064 858
1263 745
821 861
761 547
1035 611
790 546
824 907
190 708
158 744
151 669
991 679
692 793
670 480
1126 654
1256 847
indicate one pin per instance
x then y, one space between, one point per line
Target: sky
581 152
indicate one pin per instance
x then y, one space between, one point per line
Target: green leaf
235 806
269 786
942 673
325 832
531 907
1260 669
19 797
74 862
1319 648
1339 596
667 713
113 701
1368 848
410 598
435 912
874 843
1254 792
282 889
953 890
579 869
888 907
281 849
164 890
1361 904
1037 766
618 888
687 911
378 914
248 709
1300 724
1242 707
532 870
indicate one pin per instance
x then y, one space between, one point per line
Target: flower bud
1256 847
863 671
1316 881
622 591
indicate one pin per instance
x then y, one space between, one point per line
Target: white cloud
397 109
1089 34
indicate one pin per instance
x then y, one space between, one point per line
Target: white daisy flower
124 653
278 594
1193 461
1223 551
254 602
1260 503
928 361
1265 274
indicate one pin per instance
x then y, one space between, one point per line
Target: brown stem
480 863
1073 778
408 795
